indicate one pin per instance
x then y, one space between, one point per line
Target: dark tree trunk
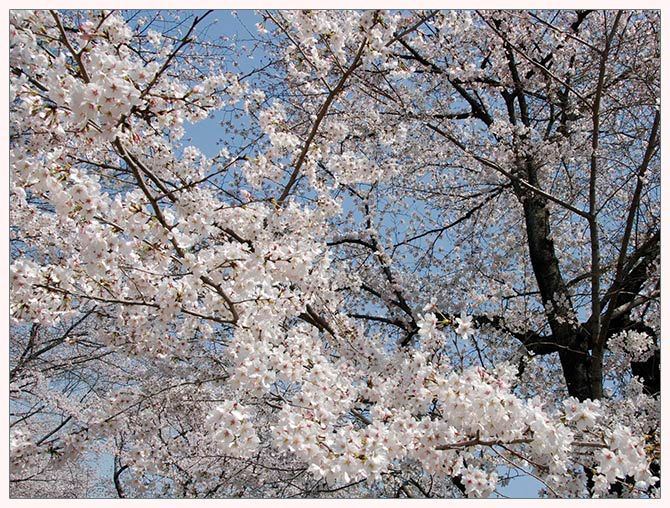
573 349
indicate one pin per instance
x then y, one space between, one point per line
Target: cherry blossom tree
425 260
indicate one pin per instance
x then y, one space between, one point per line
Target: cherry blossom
423 260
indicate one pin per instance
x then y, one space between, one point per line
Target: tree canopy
424 260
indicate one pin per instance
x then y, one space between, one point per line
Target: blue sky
207 133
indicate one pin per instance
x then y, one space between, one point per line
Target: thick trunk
650 373
576 370
573 350
636 276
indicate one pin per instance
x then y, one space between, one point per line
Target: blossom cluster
232 430
639 346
